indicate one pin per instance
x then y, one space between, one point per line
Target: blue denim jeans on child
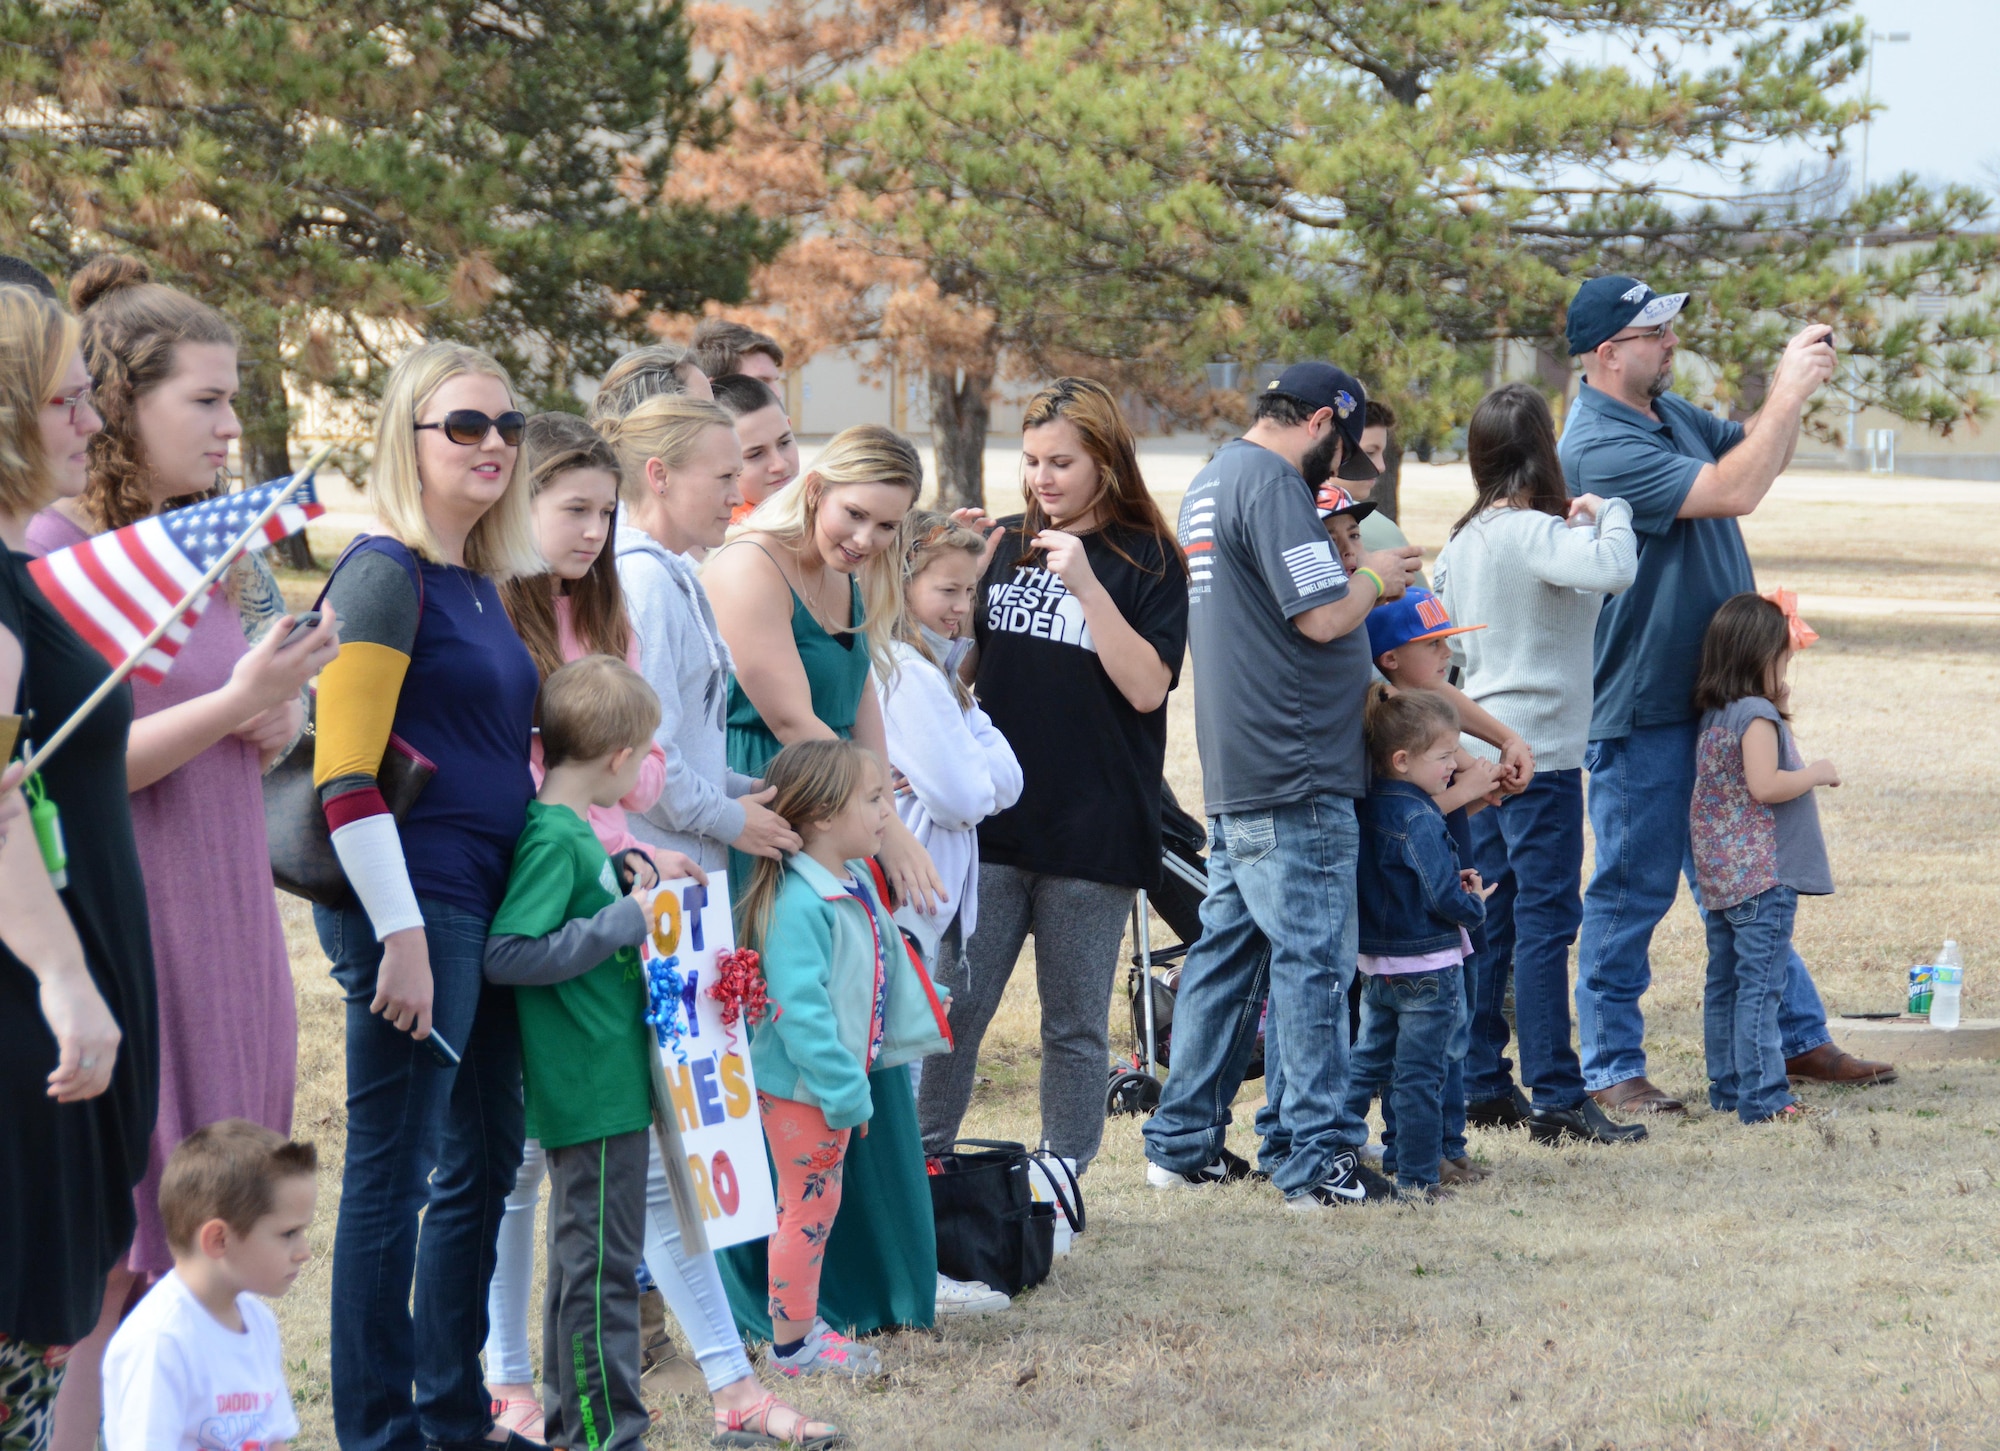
1641 788
421 1138
1407 1020
1530 847
1279 916
1747 949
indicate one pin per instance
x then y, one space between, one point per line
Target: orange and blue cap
1418 615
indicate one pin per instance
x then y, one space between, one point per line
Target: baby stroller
1135 1085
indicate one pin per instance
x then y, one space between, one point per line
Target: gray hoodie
684 659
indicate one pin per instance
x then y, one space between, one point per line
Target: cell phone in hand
302 626
446 1055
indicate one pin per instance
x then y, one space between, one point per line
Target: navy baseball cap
1605 306
1324 386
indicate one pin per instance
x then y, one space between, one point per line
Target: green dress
880 1269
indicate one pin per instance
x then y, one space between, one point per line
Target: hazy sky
1941 91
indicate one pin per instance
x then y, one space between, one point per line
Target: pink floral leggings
808 1157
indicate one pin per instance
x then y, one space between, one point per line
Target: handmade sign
701 1002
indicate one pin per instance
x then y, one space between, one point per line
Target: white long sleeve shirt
960 769
1537 584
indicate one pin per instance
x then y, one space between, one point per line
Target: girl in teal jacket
847 999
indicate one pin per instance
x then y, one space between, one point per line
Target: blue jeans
421 1139
1454 1073
1641 788
1407 1021
1531 847
1747 947
1279 917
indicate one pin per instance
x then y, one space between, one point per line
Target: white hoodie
960 769
683 657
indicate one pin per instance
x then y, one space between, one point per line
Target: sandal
752 1428
519 1414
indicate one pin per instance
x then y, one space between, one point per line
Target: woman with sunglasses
430 657
163 370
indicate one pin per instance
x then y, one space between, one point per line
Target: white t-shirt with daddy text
177 1379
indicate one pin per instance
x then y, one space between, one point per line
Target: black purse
989 1226
303 861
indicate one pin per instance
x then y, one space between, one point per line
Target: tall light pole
1875 38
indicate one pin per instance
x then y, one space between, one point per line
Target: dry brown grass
1820 1285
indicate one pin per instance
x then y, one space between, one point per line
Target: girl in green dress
806 593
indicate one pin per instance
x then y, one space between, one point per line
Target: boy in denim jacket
1416 904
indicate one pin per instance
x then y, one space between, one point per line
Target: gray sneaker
826 1352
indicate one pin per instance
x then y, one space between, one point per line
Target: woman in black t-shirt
79 1081
1081 627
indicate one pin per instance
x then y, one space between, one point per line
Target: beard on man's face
1318 463
1662 380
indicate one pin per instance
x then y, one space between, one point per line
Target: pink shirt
1423 962
607 821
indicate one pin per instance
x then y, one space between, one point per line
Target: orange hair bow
1803 635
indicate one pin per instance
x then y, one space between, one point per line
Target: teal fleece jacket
819 973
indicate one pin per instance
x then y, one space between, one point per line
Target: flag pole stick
97 696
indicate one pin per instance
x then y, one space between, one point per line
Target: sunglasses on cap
469 427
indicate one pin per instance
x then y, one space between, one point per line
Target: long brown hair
1107 438
814 780
132 329
556 444
1745 639
1511 446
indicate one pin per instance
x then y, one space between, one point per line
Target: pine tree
1135 189
340 176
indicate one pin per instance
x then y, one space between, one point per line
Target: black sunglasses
469 427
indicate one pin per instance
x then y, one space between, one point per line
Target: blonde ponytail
667 427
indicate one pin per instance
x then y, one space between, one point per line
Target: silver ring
87 1064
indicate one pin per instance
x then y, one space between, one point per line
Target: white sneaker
1228 1168
1372 1153
968 1297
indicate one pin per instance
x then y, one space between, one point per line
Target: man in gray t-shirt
1281 675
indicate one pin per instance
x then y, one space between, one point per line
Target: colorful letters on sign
708 1069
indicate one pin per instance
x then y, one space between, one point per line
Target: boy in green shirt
567 942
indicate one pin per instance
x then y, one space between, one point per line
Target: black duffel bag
989 1227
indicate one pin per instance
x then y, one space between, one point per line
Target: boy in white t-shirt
197 1366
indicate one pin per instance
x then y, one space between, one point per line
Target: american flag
114 589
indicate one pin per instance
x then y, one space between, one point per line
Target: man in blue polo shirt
1689 476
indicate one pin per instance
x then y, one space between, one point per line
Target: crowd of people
644 645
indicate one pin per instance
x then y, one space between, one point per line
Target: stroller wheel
1131 1092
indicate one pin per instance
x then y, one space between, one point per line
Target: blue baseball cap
1324 386
1605 306
1418 615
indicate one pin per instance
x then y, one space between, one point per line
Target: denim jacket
1411 900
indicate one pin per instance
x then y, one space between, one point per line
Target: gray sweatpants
1077 926
590 1318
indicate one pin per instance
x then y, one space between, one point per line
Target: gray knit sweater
684 659
1537 584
